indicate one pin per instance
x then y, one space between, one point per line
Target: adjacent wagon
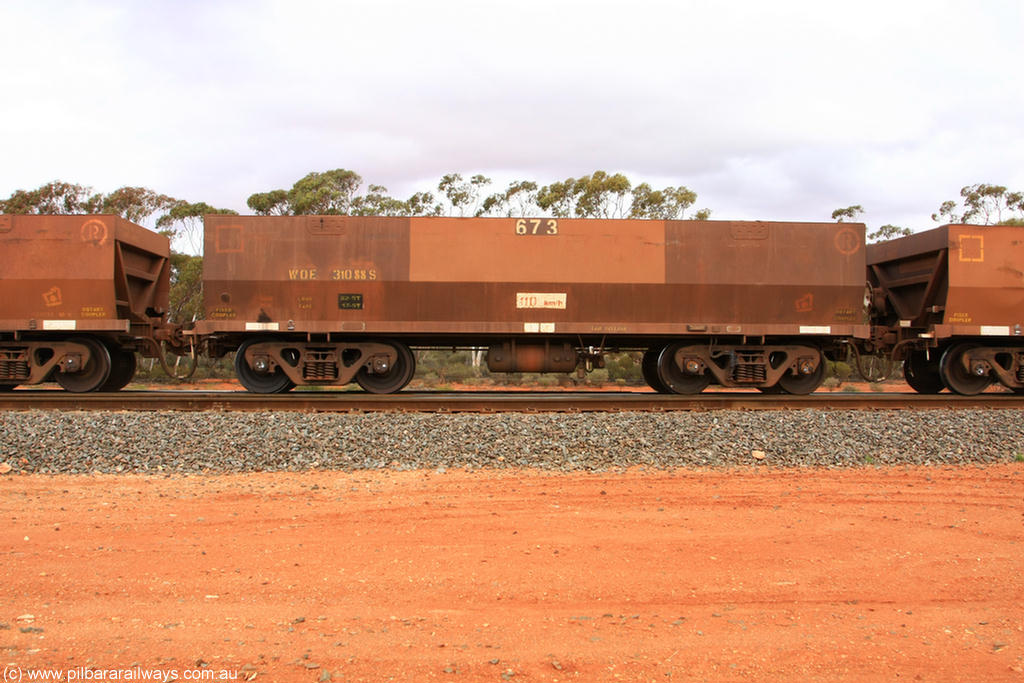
951 302
79 295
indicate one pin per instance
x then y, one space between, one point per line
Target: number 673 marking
536 226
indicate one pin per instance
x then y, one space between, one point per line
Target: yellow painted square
972 248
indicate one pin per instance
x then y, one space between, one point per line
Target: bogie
269 365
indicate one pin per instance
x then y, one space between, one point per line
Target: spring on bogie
749 372
320 366
13 365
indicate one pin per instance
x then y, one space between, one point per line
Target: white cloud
768 110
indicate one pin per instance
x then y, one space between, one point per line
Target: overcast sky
778 110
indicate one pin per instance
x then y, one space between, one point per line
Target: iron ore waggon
79 296
327 300
950 302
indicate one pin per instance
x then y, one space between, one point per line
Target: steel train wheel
775 360
956 376
649 369
397 376
275 382
122 369
922 374
93 375
673 377
801 385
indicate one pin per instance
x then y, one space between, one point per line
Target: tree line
979 203
596 195
341 191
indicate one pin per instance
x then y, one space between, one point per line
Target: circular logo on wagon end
847 241
94 232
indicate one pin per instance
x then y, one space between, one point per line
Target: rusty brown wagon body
78 295
329 299
951 300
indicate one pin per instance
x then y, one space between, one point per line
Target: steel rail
491 402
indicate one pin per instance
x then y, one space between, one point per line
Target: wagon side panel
986 276
493 276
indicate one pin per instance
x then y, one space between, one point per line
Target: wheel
93 375
649 369
875 367
922 374
397 376
775 359
802 385
275 382
956 376
122 369
673 377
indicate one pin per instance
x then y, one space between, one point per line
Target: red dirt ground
741 575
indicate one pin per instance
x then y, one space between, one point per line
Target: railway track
492 402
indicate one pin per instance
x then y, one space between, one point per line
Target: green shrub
838 369
623 366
